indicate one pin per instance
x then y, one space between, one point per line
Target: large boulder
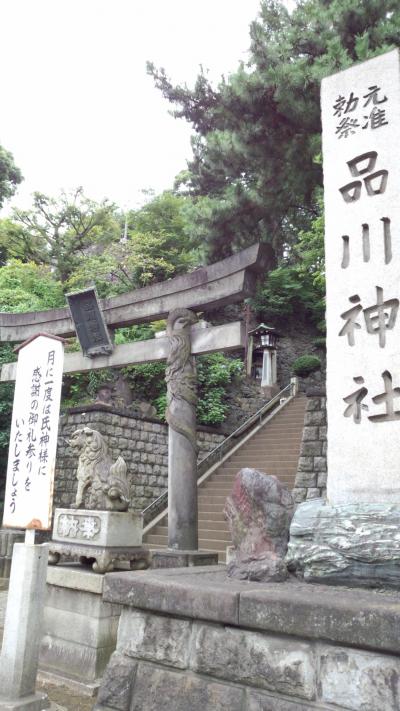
259 511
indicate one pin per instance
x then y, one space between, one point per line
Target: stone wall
7 539
292 344
219 644
142 443
311 476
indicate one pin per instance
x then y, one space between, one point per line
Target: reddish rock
259 511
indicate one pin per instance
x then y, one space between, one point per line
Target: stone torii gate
205 289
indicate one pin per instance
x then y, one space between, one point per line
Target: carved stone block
99 538
98 528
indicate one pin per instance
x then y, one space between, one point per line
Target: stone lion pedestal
80 629
101 539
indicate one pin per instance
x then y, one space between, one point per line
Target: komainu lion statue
102 484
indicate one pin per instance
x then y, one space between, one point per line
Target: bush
214 373
320 342
305 365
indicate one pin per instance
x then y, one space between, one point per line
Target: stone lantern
262 356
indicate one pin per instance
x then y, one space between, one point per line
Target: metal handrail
253 418
291 388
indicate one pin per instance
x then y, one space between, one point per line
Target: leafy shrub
160 403
214 373
320 342
147 380
305 365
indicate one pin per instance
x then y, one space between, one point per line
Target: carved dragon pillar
182 444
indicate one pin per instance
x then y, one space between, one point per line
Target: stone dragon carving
180 375
104 483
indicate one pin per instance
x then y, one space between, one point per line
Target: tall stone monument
361 125
357 534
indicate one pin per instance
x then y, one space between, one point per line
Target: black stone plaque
89 323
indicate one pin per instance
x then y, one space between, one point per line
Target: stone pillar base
353 544
33 702
80 629
168 558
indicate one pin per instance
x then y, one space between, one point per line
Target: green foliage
156 248
16 243
81 388
320 342
214 373
160 403
295 290
28 287
305 365
210 408
62 231
255 160
147 380
10 175
216 370
7 355
136 333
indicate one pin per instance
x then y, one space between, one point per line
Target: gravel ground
62 699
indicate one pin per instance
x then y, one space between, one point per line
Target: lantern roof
262 329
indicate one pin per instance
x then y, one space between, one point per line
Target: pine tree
256 146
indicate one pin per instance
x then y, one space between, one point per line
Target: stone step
217 524
291 440
204 543
245 460
259 446
229 479
266 432
260 463
273 439
206 507
221 554
275 449
272 469
263 466
208 538
204 533
216 519
291 427
281 442
291 458
215 498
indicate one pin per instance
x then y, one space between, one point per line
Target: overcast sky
77 105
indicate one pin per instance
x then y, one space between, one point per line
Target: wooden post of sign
28 504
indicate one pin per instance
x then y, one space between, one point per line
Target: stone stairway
274 448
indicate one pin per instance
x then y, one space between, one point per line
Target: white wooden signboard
33 438
361 151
